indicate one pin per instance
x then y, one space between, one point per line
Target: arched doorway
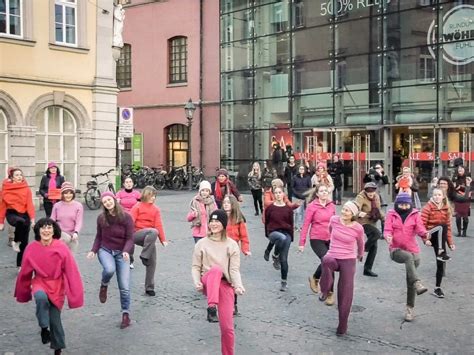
177 145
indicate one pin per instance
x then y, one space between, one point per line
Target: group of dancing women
48 273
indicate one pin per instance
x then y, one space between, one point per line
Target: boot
45 335
419 288
409 314
103 294
212 314
329 299
458 225
125 321
464 227
314 284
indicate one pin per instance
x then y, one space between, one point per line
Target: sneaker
125 321
276 262
266 255
322 297
212 314
131 266
314 284
443 257
409 314
419 288
284 286
150 293
45 336
103 294
16 246
329 299
370 273
256 213
438 292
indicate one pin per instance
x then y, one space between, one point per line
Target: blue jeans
50 317
299 214
112 260
282 243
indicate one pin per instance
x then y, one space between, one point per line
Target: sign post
125 130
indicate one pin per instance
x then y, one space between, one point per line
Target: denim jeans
299 214
282 243
50 317
111 261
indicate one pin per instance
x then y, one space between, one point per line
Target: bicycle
95 189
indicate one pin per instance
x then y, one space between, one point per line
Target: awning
364 119
459 115
323 121
415 117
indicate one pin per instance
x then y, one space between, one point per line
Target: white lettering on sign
341 7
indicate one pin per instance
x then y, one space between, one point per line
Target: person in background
462 209
406 182
201 207
335 170
321 177
49 275
268 175
291 170
223 186
301 184
68 213
51 181
255 183
128 196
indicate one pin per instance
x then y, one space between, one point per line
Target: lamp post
189 109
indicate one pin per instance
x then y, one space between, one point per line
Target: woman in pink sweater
402 224
128 197
318 213
347 244
49 273
201 207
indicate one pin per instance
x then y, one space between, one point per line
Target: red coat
433 216
18 197
55 272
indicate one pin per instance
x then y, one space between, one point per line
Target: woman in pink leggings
346 234
216 273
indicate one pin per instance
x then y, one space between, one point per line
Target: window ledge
20 41
59 47
176 85
125 89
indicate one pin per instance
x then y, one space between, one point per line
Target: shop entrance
458 144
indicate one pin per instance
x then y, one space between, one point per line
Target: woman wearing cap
49 275
318 214
321 177
402 225
68 213
347 244
17 206
370 213
148 229
201 207
216 273
223 186
113 244
50 182
279 230
255 182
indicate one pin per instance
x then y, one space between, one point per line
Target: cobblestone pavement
271 322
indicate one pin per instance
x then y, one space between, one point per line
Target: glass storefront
385 78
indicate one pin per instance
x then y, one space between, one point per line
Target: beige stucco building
58 95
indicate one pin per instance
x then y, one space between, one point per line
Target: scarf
403 213
219 186
374 214
52 181
195 205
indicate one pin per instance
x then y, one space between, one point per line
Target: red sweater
147 215
433 216
238 232
16 196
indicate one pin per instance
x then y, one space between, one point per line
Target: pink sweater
404 233
68 215
344 240
128 199
318 217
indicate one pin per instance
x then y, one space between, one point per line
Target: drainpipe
201 26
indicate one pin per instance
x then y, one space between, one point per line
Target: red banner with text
328 156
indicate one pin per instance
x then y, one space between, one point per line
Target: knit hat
204 185
370 186
353 207
403 197
67 186
219 215
52 164
222 172
321 165
107 193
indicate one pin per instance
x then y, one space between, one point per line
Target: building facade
374 80
171 54
58 95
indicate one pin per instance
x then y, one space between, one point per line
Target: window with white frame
56 140
3 143
65 14
427 68
11 17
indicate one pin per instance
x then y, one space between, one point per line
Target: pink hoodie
318 217
404 234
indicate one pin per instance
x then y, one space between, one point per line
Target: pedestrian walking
201 207
148 229
49 275
402 224
216 273
437 214
223 186
68 213
17 207
255 183
113 244
50 186
335 170
318 214
347 244
279 230
128 196
291 170
301 185
370 213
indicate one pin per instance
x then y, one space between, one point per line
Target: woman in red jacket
17 206
437 214
49 274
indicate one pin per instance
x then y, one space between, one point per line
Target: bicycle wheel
159 183
177 183
92 198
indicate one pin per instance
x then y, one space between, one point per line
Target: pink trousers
220 293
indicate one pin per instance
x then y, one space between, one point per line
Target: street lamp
189 109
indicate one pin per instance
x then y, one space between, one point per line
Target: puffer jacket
433 216
404 233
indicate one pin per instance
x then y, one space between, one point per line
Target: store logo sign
457 35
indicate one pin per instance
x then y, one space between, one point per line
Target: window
65 13
124 67
178 137
11 17
56 140
178 60
3 143
427 68
298 13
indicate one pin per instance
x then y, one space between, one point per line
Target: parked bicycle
95 188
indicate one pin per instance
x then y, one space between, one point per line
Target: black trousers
439 242
257 200
22 224
48 207
373 236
